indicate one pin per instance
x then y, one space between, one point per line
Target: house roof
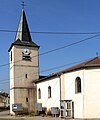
23 37
94 62
4 94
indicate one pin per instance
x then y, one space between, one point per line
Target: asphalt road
15 119
30 118
4 113
5 116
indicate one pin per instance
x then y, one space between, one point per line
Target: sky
56 16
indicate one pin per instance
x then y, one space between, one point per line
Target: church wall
27 97
86 104
77 98
11 68
92 93
20 76
29 67
18 70
34 56
11 79
22 73
11 100
54 101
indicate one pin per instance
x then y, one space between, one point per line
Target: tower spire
23 36
23 32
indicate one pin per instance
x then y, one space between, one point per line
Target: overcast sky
65 16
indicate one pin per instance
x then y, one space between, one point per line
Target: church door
67 109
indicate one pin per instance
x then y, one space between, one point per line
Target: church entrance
67 109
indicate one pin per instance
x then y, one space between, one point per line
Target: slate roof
23 37
92 63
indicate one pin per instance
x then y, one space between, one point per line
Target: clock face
26 51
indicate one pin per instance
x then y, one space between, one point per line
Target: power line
68 33
49 32
74 43
56 49
6 79
42 71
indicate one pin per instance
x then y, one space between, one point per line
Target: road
5 116
29 118
10 119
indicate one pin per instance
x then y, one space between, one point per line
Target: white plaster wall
70 94
11 80
11 101
54 101
86 103
11 68
92 93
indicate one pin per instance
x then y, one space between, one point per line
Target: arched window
39 93
78 85
49 92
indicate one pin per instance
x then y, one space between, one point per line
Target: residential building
4 100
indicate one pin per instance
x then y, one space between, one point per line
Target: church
75 91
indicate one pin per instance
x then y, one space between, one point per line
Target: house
4 100
75 90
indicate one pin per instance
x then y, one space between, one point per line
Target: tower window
26 76
49 92
11 56
26 99
78 85
39 93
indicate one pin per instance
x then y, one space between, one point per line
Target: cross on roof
97 54
23 4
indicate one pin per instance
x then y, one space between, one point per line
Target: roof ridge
79 66
87 62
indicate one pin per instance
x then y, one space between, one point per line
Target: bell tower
24 68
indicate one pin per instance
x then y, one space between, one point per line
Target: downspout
83 95
59 76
